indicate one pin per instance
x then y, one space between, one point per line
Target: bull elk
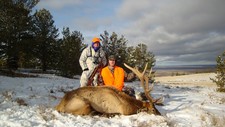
108 100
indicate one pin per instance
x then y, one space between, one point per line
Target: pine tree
220 73
140 56
114 45
135 56
14 28
70 46
46 38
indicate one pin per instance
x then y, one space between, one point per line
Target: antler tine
157 101
147 80
135 70
146 65
144 83
149 75
138 73
147 90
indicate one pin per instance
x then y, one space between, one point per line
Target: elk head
144 82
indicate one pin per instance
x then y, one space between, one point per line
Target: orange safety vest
116 80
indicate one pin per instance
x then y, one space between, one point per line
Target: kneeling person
113 75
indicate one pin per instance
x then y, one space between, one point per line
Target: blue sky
178 32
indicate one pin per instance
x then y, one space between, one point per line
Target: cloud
176 16
178 30
58 4
88 24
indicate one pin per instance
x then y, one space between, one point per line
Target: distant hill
172 70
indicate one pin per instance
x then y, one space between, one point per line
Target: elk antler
143 80
157 101
145 84
138 73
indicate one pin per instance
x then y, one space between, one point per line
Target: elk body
107 100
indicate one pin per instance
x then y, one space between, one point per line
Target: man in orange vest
113 75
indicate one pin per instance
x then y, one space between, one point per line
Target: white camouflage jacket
90 59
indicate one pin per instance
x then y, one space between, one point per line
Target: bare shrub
8 94
213 120
21 102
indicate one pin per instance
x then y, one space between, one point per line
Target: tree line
31 40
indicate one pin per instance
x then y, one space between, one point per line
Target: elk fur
106 100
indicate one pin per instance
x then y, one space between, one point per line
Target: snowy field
29 102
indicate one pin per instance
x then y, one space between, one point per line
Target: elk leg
78 106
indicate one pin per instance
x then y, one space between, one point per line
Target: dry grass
8 95
201 79
215 121
171 72
46 114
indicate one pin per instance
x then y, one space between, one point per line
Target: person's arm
82 60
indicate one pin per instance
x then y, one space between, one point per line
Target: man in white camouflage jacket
89 59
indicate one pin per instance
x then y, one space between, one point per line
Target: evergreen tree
140 56
105 42
115 45
70 52
46 34
135 56
220 73
130 58
14 28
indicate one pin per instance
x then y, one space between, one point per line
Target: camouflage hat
112 57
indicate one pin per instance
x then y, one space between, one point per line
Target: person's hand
86 69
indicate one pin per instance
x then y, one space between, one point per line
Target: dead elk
107 100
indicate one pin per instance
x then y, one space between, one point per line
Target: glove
86 69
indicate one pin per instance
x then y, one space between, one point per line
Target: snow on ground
26 102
